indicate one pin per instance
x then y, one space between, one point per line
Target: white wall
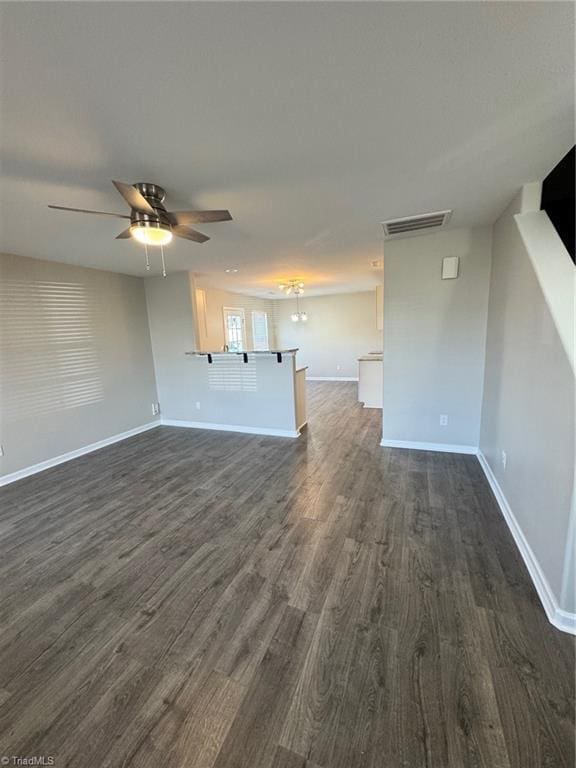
340 328
75 359
172 333
434 337
528 408
258 394
211 323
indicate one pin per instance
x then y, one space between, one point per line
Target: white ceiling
311 122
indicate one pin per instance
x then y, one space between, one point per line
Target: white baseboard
441 447
231 428
559 618
27 471
64 457
331 378
562 620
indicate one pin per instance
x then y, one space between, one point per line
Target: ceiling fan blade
134 199
124 235
190 234
83 210
196 217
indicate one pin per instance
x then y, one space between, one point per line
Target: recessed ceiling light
231 270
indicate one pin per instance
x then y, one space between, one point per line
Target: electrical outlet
443 420
155 409
504 459
1 450
338 367
197 406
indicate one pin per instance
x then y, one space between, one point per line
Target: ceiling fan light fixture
295 287
149 233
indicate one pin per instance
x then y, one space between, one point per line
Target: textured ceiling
311 122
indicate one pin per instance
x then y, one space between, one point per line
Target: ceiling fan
150 222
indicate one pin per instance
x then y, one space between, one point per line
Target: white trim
332 378
568 575
562 620
64 457
237 311
559 618
265 345
231 428
442 447
531 197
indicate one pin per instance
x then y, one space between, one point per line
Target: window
234 329
260 329
50 357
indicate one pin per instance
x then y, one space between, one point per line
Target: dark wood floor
191 599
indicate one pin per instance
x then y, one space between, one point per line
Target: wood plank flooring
191 599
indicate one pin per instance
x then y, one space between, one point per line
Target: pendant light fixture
295 288
298 316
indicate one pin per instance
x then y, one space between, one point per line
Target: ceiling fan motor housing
152 192
155 195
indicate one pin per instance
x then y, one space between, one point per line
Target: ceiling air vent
415 225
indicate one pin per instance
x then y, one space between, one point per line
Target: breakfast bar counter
255 391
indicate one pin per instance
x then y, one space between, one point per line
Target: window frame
235 311
257 348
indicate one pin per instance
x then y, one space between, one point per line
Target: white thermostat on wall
450 267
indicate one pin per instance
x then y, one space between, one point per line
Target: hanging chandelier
295 288
298 317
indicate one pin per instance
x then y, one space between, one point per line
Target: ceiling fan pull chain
163 262
147 258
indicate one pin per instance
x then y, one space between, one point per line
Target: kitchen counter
259 392
370 381
214 352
